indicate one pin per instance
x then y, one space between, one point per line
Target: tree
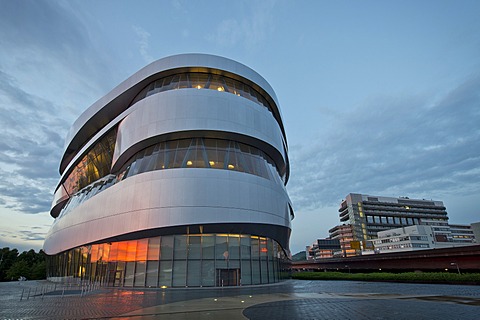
28 264
7 258
18 269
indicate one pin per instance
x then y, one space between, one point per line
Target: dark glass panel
194 247
233 247
140 271
179 273
208 273
165 275
152 273
180 247
208 246
221 248
194 275
129 274
246 276
166 248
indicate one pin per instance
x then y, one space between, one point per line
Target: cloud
31 143
28 235
53 50
51 69
247 32
143 42
397 146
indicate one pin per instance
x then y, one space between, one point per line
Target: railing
80 288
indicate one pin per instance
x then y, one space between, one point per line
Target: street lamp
455 264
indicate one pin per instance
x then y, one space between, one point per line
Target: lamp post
455 264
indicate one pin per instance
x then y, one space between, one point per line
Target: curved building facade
175 178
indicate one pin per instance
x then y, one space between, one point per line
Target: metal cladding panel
189 110
117 100
170 198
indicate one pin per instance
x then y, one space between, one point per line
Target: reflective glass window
179 273
166 248
165 276
208 246
152 273
208 273
180 247
194 247
129 274
194 275
221 247
153 248
140 271
233 247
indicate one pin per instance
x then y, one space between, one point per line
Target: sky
377 97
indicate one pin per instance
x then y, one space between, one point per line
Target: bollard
21 297
63 292
28 297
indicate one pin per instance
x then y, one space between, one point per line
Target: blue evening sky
378 97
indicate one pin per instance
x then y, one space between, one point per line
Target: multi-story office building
405 239
370 214
344 234
419 237
323 248
175 178
462 233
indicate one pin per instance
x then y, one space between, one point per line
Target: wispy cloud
143 42
394 146
248 31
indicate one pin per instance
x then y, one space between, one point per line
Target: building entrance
228 277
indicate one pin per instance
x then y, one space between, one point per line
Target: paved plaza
293 299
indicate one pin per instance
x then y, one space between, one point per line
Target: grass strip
416 277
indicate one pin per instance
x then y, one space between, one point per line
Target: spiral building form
176 178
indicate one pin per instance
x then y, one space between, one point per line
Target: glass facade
186 153
193 260
199 80
93 166
202 153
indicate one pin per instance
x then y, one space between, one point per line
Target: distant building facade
411 238
369 215
476 231
324 248
462 233
344 234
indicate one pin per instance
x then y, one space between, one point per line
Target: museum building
176 178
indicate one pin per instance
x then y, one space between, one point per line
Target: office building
461 233
369 215
323 248
417 237
176 178
344 234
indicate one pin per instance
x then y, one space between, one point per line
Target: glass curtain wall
197 80
186 153
195 260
